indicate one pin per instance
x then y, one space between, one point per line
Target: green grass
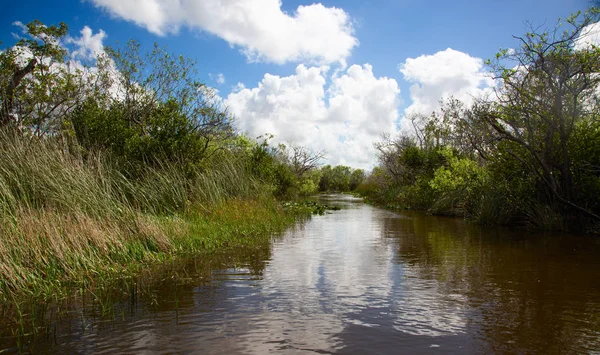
67 221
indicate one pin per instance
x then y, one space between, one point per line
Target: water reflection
522 292
365 280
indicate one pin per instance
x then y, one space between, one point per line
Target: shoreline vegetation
110 168
526 153
67 222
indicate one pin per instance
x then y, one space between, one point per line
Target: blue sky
299 70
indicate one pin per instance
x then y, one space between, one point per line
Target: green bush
458 186
165 136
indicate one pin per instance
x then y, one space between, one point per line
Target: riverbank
69 221
37 293
47 254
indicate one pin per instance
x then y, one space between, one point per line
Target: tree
339 178
356 178
391 151
547 87
144 81
37 86
149 108
302 159
405 161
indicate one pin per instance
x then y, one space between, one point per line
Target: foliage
37 85
308 207
340 178
528 154
147 81
167 137
64 216
265 162
540 105
131 162
458 185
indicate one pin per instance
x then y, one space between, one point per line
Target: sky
332 76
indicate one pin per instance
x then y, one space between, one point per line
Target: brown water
361 280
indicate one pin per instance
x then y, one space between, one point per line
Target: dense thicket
527 153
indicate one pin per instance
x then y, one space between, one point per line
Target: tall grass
66 218
542 216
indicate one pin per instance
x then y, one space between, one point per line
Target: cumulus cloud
445 74
590 36
218 78
343 119
261 30
89 45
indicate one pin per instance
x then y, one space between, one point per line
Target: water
361 280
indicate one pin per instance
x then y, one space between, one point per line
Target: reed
66 220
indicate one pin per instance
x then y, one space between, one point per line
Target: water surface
361 280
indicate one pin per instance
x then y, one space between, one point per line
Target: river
362 280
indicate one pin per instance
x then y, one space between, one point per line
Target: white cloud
260 28
288 107
218 78
590 35
445 74
22 27
344 119
89 45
